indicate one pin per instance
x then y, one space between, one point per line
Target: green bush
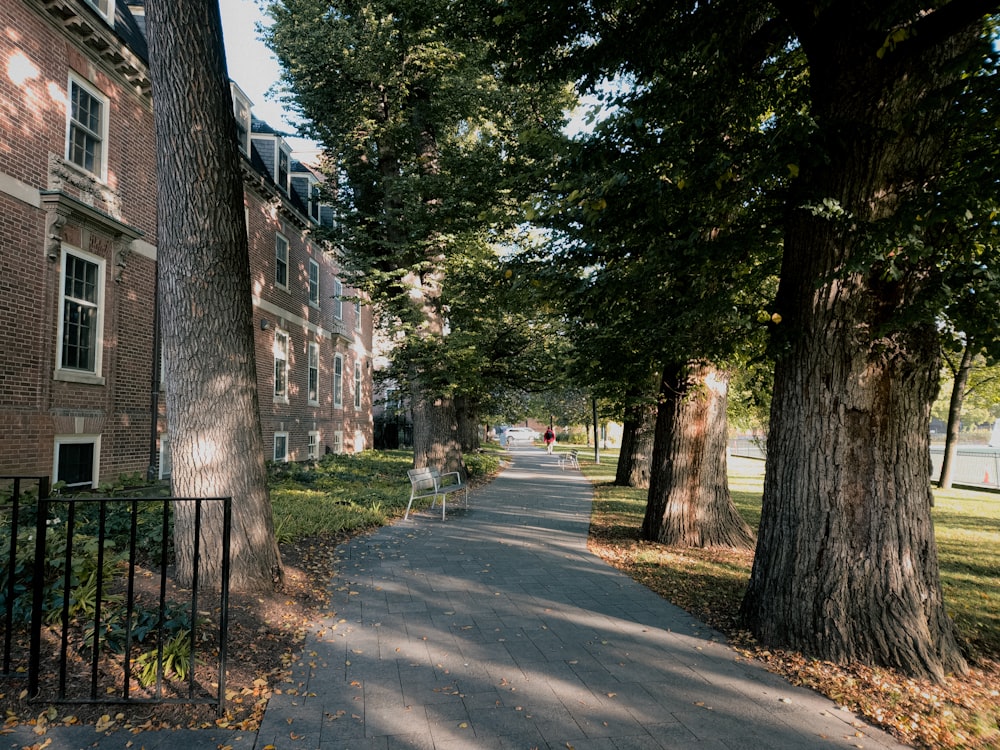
481 464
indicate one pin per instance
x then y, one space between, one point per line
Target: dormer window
284 158
241 113
105 7
314 203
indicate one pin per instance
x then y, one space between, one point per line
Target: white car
521 435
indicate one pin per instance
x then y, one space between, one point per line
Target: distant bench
432 483
571 459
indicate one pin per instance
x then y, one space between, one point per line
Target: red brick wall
35 406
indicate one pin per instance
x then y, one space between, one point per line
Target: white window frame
93 374
166 458
281 248
338 381
280 351
61 440
338 302
357 315
312 449
357 384
312 383
104 8
283 162
313 283
242 106
101 135
280 459
338 441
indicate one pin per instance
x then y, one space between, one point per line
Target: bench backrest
424 479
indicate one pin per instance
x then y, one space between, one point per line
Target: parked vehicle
521 435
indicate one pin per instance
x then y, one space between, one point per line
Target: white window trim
313 445
338 302
81 376
77 440
108 14
357 315
281 398
358 377
280 238
338 441
166 459
314 290
338 388
313 360
75 80
274 448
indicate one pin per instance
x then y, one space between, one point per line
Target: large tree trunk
846 566
955 415
638 436
689 503
205 301
467 415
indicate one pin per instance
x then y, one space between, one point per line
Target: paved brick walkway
498 629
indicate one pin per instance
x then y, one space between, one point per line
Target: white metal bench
429 482
570 459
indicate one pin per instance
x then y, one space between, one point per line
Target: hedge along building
79 352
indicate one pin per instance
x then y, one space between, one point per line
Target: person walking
550 439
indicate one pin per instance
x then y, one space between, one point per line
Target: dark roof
131 31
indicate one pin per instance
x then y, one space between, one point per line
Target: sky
254 69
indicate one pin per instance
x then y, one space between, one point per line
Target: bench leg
408 506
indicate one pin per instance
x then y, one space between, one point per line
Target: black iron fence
88 586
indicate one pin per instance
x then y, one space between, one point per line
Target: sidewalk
497 629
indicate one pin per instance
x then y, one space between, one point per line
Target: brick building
80 397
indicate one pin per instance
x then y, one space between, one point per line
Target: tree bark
205 302
846 566
467 414
638 437
955 415
689 504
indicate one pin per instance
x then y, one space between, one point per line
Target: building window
281 261
76 460
104 7
313 445
313 373
357 315
338 380
281 447
314 195
280 366
357 385
283 159
88 128
81 320
313 283
338 302
166 462
338 441
241 113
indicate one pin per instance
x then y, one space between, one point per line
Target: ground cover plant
963 712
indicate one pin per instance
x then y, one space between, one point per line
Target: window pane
313 372
85 131
313 282
80 298
281 261
338 381
76 463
